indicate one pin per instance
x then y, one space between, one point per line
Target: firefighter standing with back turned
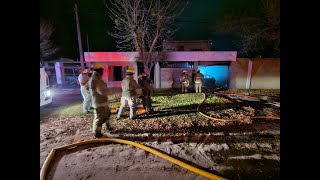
129 86
198 81
184 79
147 91
99 93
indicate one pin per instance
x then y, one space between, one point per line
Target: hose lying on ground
248 97
217 119
46 164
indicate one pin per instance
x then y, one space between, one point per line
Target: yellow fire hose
217 119
46 164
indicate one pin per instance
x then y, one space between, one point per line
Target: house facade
220 68
165 73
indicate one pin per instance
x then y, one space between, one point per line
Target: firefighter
147 91
83 79
198 81
99 94
192 79
184 79
129 86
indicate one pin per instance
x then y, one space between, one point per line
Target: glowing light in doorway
220 74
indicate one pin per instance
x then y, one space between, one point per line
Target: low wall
265 73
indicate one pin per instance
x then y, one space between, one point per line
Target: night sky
196 23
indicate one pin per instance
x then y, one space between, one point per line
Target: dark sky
197 23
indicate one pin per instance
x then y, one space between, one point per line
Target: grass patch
175 112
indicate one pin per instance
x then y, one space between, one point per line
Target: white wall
265 73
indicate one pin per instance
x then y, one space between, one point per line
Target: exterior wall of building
194 56
108 73
265 73
63 73
238 74
108 60
170 77
197 45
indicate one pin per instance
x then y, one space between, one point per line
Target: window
117 73
68 71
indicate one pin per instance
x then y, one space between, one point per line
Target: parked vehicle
45 92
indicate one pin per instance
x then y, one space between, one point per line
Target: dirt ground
238 151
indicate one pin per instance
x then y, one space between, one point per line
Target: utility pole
88 43
79 37
88 47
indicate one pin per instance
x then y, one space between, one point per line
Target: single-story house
213 64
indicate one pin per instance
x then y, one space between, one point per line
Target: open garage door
215 76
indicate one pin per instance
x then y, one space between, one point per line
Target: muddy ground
235 150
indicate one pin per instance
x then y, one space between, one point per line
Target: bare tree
142 25
47 49
257 33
